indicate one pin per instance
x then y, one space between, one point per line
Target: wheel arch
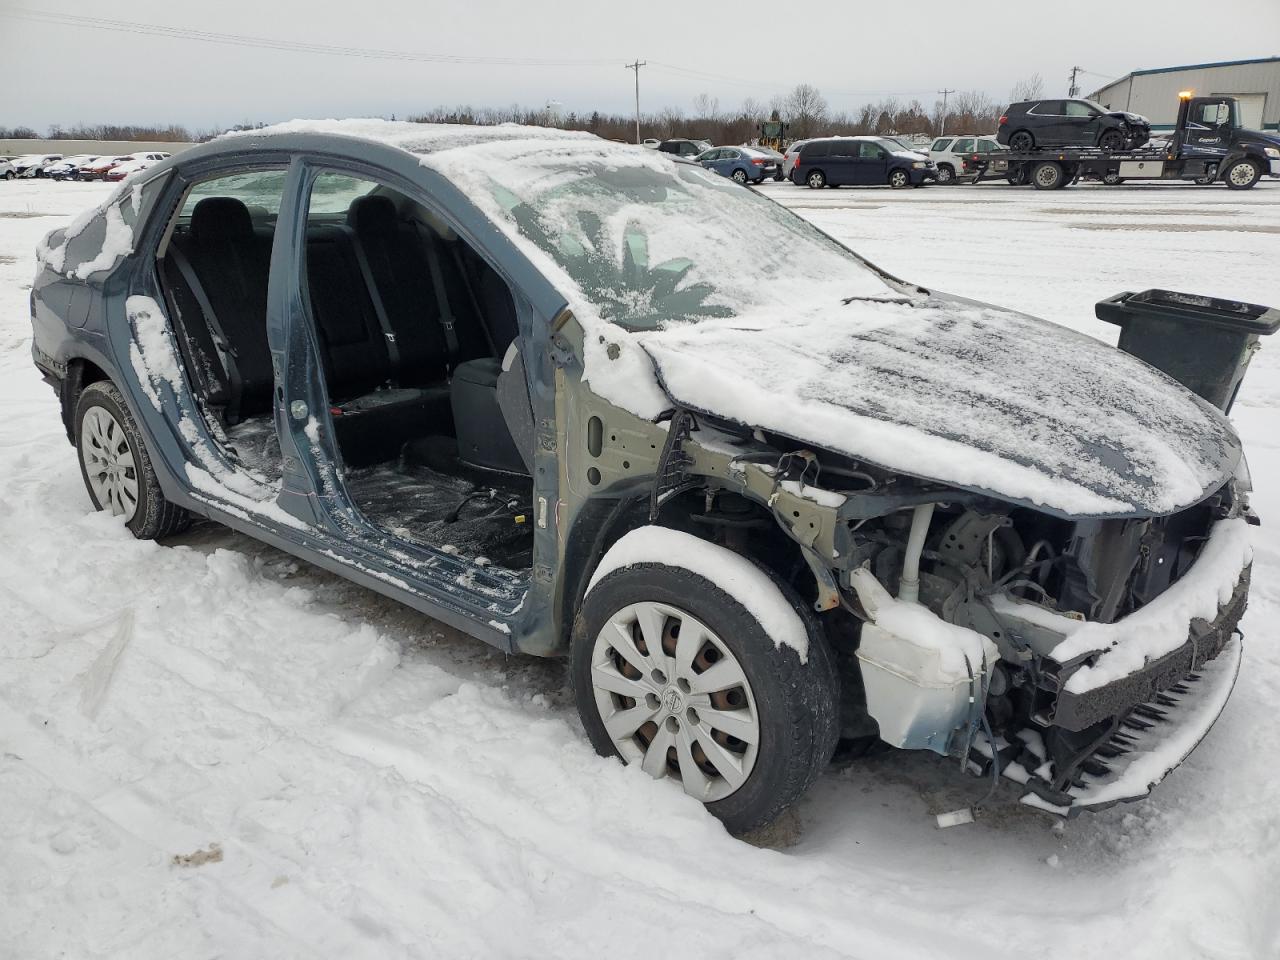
81 371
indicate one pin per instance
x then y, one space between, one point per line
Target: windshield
648 242
895 146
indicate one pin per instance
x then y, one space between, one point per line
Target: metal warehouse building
1154 93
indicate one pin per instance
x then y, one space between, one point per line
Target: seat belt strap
226 352
471 295
379 309
442 298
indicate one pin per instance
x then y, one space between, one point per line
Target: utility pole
636 67
943 125
1074 89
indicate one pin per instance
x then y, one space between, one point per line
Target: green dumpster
1202 342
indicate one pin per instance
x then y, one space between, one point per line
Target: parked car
790 157
951 156
571 401
1033 124
775 156
6 169
33 164
740 164
684 148
97 169
69 168
864 161
138 161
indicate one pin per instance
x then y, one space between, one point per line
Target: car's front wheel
116 467
899 179
1112 140
673 673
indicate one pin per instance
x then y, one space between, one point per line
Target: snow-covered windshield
651 242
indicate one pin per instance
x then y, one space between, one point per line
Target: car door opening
416 334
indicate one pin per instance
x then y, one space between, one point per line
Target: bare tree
706 107
1029 88
753 109
806 109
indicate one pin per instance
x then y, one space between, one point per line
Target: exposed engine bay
991 632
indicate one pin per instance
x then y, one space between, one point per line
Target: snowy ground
379 786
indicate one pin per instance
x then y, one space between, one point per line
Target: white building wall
1155 95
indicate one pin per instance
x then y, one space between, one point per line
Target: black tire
1017 176
777 177
899 178
1242 175
1204 181
739 176
1112 178
1022 142
815 179
797 703
1112 140
946 174
154 516
9 175
1047 175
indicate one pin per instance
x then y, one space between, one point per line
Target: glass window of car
987 146
963 145
842 148
893 145
256 188
647 243
941 144
730 154
1047 108
820 148
1078 108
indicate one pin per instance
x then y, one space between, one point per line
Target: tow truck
1207 145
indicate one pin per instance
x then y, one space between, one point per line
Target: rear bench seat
384 334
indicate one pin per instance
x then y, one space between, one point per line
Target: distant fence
70 148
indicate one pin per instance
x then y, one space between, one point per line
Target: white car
33 164
951 154
6 169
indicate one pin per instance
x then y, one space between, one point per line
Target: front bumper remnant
1145 747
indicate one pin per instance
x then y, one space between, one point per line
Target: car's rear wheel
1022 142
116 467
816 179
946 173
739 176
1242 175
1047 175
1112 140
672 673
899 179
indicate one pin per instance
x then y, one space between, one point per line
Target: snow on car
526 363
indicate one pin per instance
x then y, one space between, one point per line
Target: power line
296 46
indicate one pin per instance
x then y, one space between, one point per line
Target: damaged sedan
564 395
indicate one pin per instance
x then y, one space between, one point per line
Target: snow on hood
962 393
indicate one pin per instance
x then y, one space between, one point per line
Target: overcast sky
853 51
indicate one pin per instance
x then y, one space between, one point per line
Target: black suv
684 148
1070 123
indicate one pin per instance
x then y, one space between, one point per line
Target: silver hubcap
740 176
675 700
1241 174
1047 176
108 463
898 179
815 180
